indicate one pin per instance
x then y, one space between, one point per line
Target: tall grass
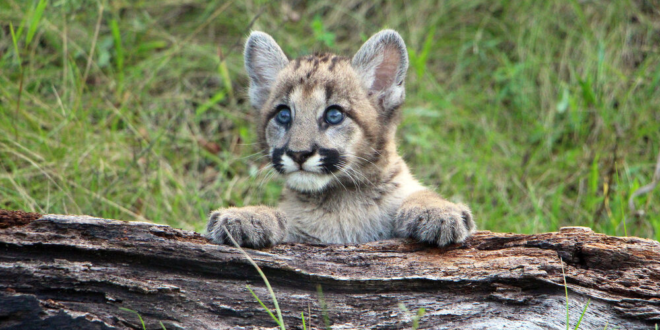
538 114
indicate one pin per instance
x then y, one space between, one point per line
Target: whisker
357 186
260 158
361 158
354 174
268 175
376 151
361 176
347 171
267 167
263 153
336 178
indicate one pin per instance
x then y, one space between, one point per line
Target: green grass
279 320
144 327
416 317
538 114
584 311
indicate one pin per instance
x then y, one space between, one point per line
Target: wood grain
75 272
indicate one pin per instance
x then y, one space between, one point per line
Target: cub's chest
341 218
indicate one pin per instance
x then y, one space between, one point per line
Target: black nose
300 156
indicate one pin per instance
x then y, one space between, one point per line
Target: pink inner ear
387 70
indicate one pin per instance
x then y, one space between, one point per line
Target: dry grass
538 114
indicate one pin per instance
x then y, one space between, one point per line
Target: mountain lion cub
328 125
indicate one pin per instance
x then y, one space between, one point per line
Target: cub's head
324 119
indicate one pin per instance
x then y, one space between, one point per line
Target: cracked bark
75 272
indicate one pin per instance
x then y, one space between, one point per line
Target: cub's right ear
382 63
263 61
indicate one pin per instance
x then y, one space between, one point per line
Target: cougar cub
328 125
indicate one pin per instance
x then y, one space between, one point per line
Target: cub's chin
304 181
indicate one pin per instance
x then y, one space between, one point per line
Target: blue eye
283 117
334 115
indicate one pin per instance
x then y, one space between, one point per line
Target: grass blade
264 306
224 73
420 313
119 49
302 315
324 307
263 276
92 48
426 50
19 32
34 22
655 82
566 290
219 96
415 318
138 315
577 326
14 40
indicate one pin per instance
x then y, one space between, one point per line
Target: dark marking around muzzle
277 159
330 160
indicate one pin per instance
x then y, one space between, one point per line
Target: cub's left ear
264 59
382 63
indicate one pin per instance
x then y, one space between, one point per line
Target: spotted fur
345 182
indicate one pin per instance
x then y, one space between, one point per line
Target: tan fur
345 183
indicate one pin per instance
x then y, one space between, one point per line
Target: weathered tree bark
74 272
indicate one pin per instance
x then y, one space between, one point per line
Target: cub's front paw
251 226
438 222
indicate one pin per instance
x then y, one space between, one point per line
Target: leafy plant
414 317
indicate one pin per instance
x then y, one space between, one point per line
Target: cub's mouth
314 161
310 170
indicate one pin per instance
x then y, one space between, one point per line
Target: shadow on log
75 272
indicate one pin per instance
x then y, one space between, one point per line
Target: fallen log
80 272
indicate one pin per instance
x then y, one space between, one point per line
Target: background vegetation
538 114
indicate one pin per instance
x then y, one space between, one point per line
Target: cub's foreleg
429 218
251 226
